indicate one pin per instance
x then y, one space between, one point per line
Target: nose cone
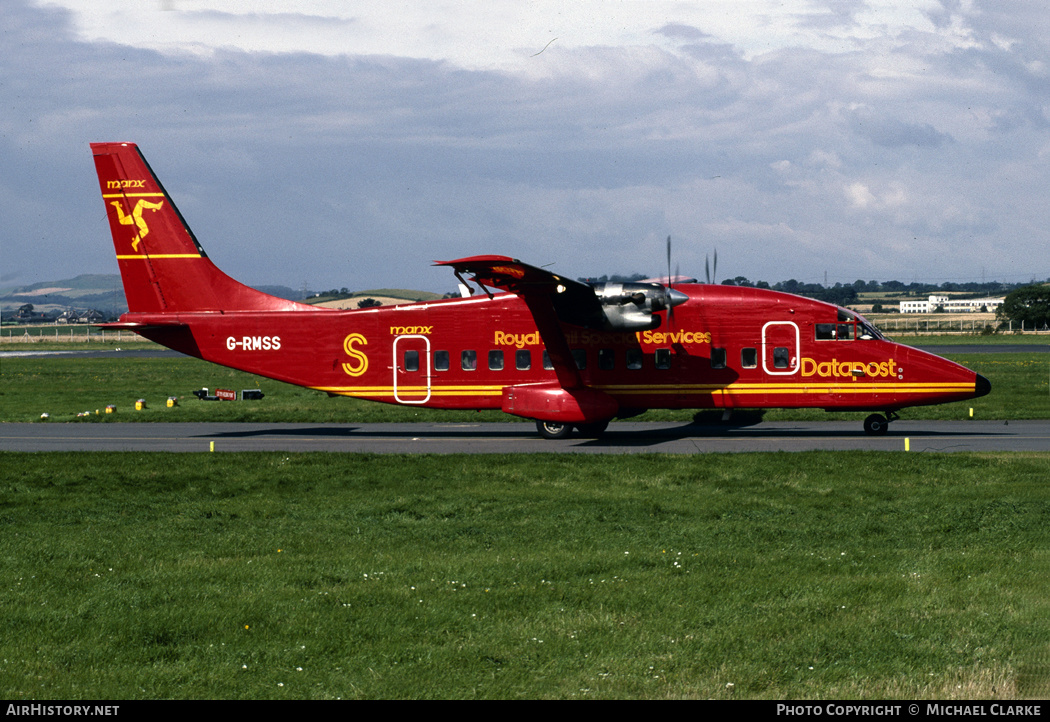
982 387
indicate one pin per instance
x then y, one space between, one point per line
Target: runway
506 438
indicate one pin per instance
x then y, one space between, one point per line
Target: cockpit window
865 330
834 331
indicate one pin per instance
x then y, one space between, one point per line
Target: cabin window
523 359
495 360
780 357
411 360
834 331
749 358
718 358
663 358
547 360
468 360
441 360
580 355
634 358
606 359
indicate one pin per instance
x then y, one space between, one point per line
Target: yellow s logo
360 361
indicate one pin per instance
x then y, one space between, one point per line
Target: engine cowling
630 306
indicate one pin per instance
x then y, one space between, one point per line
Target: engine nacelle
630 306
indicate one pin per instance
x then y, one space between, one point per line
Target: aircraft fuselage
727 347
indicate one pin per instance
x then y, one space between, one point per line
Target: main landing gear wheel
876 425
553 430
592 431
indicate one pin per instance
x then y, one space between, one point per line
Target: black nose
982 387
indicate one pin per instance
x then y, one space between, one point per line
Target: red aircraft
563 353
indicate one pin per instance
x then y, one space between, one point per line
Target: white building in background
951 305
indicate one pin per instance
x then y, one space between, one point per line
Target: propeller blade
668 260
671 297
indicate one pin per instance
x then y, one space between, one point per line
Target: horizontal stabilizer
137 326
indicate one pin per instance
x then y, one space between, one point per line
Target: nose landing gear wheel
876 425
553 430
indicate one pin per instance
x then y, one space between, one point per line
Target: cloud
893 132
678 31
850 127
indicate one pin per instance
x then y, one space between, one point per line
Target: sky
333 144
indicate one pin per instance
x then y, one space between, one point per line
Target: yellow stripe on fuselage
775 389
158 255
408 390
678 389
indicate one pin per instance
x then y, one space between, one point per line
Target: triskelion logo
136 218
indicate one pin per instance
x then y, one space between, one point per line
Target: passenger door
412 369
780 348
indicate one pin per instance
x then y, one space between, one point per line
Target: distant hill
88 282
385 295
103 292
281 292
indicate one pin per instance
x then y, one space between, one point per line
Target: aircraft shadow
707 426
613 438
300 431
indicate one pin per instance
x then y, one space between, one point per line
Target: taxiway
504 438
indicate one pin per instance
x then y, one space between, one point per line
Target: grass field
802 576
812 575
64 387
957 339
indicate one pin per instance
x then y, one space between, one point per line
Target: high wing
573 302
550 298
606 306
554 299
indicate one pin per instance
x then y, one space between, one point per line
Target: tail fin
164 268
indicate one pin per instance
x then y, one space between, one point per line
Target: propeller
670 285
668 261
631 306
708 271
